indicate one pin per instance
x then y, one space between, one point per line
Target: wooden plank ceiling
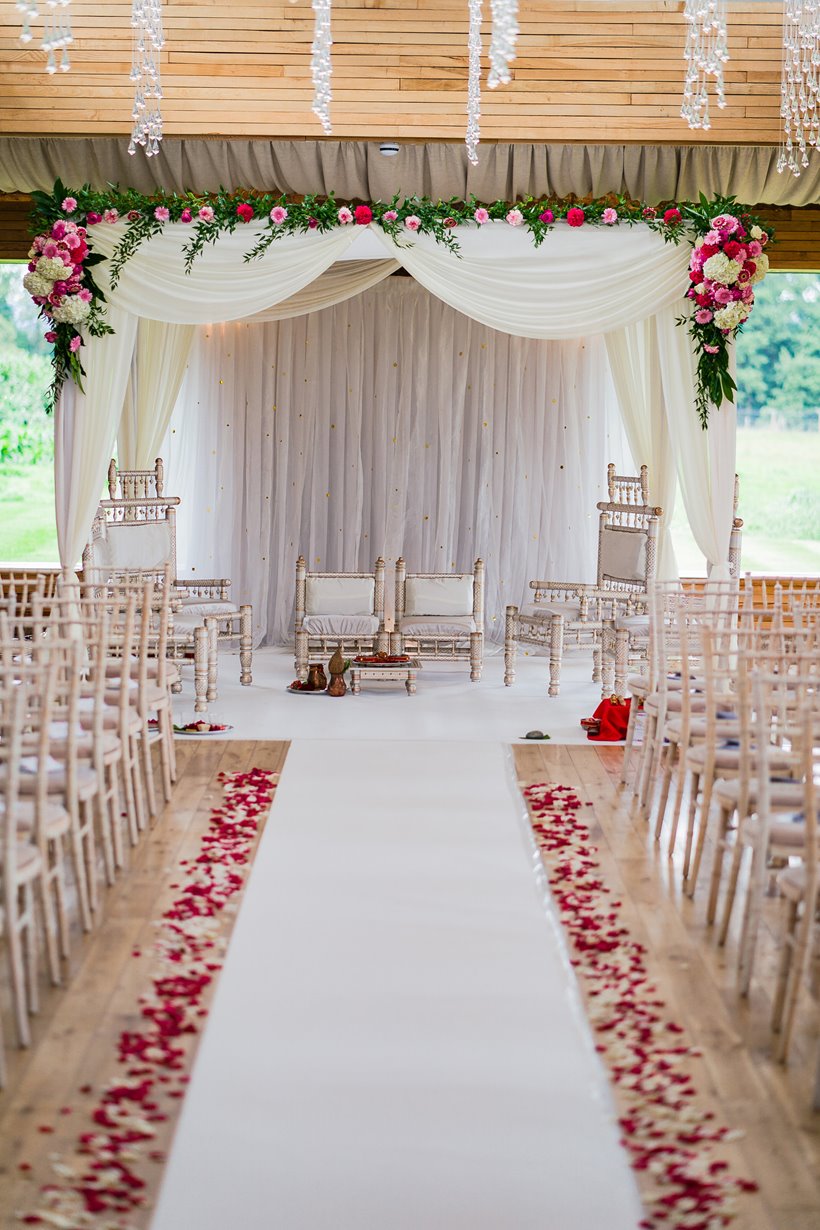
586 71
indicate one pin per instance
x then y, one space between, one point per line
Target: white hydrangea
72 311
761 268
51 267
732 315
719 268
35 284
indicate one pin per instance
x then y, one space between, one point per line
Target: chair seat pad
781 794
437 625
545 610
783 834
203 607
792 882
341 625
56 819
728 758
674 702
636 624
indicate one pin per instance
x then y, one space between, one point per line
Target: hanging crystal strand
502 42
799 84
705 55
57 34
320 62
148 41
474 82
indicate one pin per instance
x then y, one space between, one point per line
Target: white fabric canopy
580 281
389 424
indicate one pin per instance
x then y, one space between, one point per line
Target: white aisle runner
397 1042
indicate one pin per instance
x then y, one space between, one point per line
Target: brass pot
316 680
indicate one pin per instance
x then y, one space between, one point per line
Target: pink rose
703 316
576 216
206 213
313 223
185 216
412 223
345 215
450 223
245 211
69 205
85 295
278 215
650 212
712 349
51 336
546 217
92 219
58 230
481 216
61 288
111 215
609 216
515 217
162 213
364 215
390 215
75 343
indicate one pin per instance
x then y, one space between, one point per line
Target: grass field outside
779 503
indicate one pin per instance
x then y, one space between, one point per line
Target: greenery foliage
778 356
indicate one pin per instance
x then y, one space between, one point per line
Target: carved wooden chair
625 639
570 610
337 608
134 534
439 616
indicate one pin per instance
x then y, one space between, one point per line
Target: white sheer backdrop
389 424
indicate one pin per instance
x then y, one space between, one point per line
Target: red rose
245 212
671 216
703 300
706 250
92 219
731 249
313 223
576 216
650 211
450 222
132 215
363 214
695 275
750 267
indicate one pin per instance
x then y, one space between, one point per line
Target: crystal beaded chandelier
57 34
705 55
148 39
799 84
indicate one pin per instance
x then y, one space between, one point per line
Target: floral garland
727 258
669 1137
102 1186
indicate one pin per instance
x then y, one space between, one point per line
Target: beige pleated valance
357 170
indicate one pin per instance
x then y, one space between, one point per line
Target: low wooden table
385 672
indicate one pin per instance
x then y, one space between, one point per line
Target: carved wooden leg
245 644
411 683
556 653
596 661
212 628
476 655
200 670
300 662
510 645
396 642
621 660
383 642
355 681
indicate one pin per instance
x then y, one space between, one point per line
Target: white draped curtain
579 283
390 424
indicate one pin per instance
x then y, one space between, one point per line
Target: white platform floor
446 706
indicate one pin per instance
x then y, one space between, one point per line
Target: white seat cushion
340 595
437 625
133 546
570 610
636 624
206 606
341 625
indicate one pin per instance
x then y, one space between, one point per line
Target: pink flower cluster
55 276
726 262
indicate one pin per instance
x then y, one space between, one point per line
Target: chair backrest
134 531
339 593
440 593
627 533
